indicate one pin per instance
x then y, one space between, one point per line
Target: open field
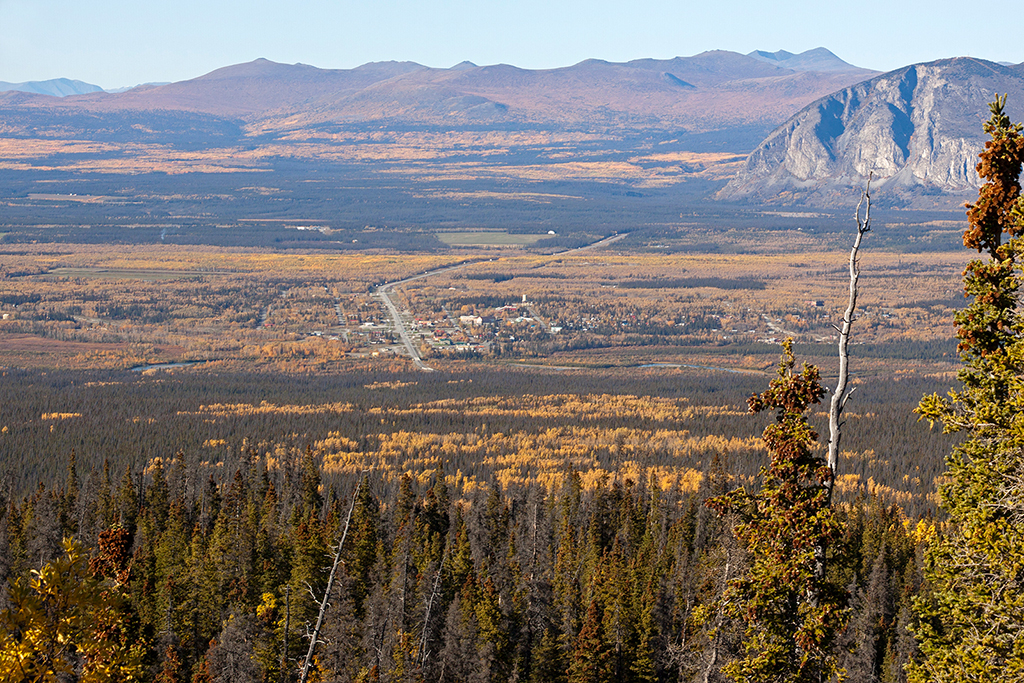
418 156
14 343
123 273
487 239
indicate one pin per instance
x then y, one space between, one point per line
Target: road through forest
398 323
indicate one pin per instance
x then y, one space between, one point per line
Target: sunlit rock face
918 130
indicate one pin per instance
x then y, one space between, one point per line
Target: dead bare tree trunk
430 604
716 639
325 603
841 394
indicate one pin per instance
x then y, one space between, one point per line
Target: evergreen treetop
792 618
969 619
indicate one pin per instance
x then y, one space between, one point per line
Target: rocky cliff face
917 129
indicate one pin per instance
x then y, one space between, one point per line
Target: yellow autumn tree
64 624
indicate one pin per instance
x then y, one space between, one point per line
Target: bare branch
841 394
325 603
430 603
849 393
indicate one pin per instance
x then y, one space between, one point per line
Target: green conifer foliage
105 508
158 498
969 621
461 567
362 546
494 643
308 576
311 498
548 663
172 588
791 619
127 501
204 601
569 559
645 573
69 504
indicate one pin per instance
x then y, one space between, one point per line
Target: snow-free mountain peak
818 59
918 130
57 87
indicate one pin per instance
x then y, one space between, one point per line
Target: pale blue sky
116 43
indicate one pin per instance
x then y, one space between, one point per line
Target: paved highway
384 292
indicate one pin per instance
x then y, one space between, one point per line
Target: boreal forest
486 524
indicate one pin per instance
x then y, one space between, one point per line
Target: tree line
621 582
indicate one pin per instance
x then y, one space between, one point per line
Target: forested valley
512 530
348 518
494 520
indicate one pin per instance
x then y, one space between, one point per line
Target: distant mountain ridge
132 87
817 125
818 59
735 96
56 87
918 130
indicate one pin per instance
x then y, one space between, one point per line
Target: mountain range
818 59
55 87
814 125
711 92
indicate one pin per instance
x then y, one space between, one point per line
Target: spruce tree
362 546
69 505
969 619
792 617
548 660
592 658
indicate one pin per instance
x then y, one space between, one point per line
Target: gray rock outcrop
917 129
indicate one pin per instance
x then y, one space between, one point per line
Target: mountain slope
712 91
917 129
247 90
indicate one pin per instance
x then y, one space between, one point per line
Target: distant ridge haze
56 87
818 59
711 91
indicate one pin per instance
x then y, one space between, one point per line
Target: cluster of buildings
479 333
